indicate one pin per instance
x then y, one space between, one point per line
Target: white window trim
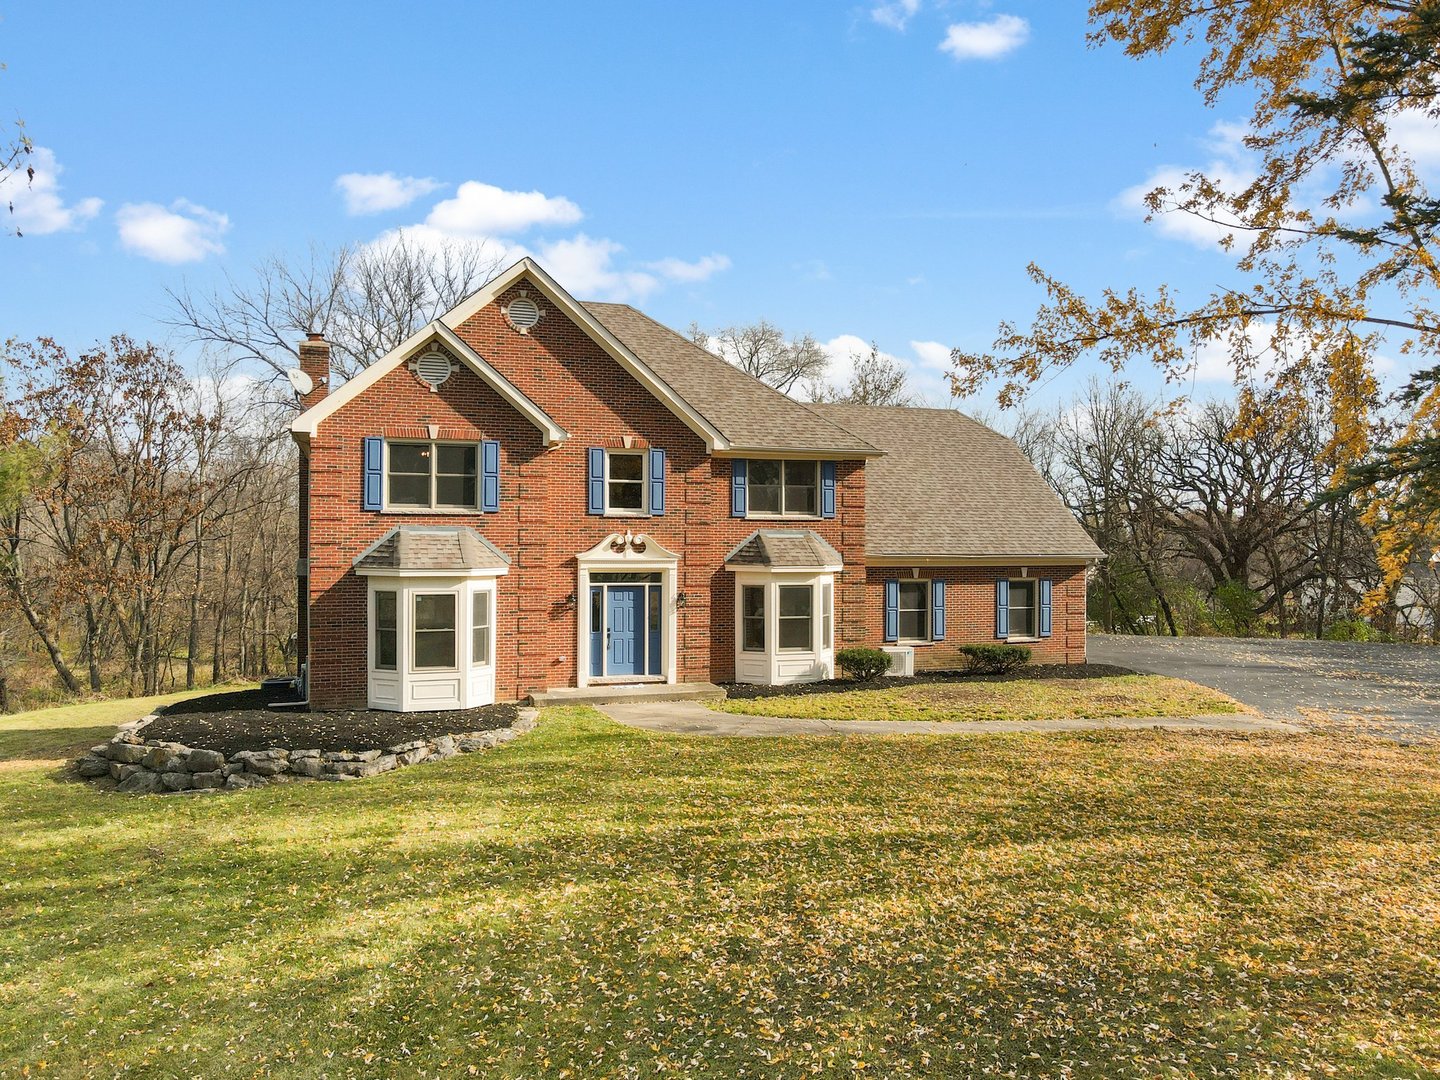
927 609
644 511
1034 612
458 621
604 558
774 665
814 619
387 507
784 515
489 595
764 619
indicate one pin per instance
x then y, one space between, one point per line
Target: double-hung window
386 631
624 482
480 628
914 611
1023 622
434 632
752 618
797 605
784 488
426 475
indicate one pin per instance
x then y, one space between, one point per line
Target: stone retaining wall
134 765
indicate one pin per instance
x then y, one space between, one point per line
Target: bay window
752 618
386 631
434 630
796 608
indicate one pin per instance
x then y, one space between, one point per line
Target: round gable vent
433 368
523 313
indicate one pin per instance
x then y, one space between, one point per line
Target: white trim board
308 422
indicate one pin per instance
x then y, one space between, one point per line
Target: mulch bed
837 686
243 720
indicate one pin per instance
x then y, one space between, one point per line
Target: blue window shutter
374 467
892 611
827 489
595 482
937 611
739 473
1002 609
1044 607
657 482
490 476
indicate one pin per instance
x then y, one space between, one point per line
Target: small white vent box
902 659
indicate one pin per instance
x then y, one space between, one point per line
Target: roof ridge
720 359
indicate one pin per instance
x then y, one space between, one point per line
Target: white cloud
700 270
986 40
932 355
1230 169
183 232
486 210
585 267
374 193
1419 136
895 13
39 208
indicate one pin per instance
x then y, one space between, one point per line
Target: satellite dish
300 382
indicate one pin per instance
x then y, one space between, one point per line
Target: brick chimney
315 362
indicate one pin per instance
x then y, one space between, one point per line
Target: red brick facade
542 522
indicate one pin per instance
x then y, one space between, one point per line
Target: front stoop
638 692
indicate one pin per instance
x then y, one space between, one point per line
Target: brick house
533 493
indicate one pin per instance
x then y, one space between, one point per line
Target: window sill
915 643
626 514
443 511
786 517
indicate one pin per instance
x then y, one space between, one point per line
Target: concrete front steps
614 693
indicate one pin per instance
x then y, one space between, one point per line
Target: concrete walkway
691 718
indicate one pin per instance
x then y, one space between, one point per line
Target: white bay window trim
783 659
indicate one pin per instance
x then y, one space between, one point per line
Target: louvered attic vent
432 368
523 313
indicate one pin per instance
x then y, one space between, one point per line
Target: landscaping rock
140 782
476 740
351 755
444 748
231 768
177 781
505 735
241 781
406 747
301 755
263 762
163 759
411 757
92 765
343 768
307 766
123 772
208 781
128 753
204 761
384 763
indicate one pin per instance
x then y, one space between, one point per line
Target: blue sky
856 171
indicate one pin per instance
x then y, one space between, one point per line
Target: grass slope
1017 699
597 901
55 734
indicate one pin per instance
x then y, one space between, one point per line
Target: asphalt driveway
1390 688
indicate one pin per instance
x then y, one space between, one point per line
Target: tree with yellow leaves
1324 278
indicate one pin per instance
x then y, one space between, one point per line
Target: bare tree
365 300
875 379
763 351
15 151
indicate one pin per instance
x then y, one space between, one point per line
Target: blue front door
624 630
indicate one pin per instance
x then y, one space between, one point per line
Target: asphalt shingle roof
949 485
431 547
749 413
782 548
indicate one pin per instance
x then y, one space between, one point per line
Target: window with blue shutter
490 476
937 611
892 611
595 481
373 464
1002 609
657 482
827 489
1044 607
739 472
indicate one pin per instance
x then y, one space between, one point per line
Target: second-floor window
785 488
425 475
624 482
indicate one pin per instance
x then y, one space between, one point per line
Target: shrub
995 659
1351 629
863 664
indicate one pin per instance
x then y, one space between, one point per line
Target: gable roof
753 416
434 548
308 422
950 486
784 549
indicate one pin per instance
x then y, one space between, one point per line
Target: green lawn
1017 699
597 901
58 732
